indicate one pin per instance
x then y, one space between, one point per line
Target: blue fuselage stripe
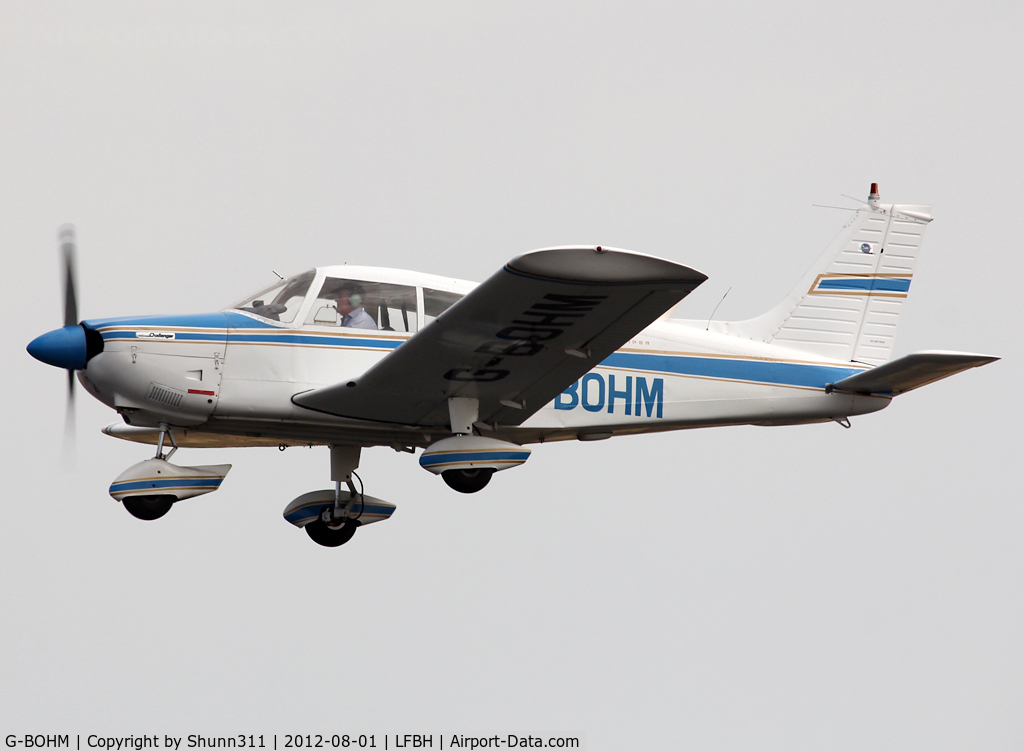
220 336
734 369
761 371
313 339
275 338
218 320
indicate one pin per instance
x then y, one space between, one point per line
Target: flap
517 340
911 371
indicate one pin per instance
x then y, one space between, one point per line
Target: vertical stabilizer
848 305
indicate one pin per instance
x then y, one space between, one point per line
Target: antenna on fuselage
277 275
716 310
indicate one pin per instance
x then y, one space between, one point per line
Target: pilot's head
348 297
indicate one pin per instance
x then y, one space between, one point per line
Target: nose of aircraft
64 348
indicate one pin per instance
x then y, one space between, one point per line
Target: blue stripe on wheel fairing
137 485
429 460
314 510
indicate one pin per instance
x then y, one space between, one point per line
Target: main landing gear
332 516
337 522
465 461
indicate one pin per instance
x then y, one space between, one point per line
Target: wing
911 371
517 340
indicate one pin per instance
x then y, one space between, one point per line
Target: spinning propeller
67 247
72 346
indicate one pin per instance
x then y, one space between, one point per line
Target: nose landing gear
150 488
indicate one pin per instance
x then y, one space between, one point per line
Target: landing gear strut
337 524
465 461
154 507
462 414
149 489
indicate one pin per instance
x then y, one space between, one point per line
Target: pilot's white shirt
359 319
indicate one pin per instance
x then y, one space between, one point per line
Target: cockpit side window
436 302
281 301
360 304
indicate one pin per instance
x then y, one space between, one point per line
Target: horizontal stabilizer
911 371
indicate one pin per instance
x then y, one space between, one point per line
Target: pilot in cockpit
349 299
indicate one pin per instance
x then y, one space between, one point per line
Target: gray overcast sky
797 588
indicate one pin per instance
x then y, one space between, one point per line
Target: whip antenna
716 309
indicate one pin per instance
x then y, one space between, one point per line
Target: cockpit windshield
281 301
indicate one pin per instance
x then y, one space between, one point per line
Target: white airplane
568 343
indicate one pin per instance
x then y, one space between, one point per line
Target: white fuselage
231 376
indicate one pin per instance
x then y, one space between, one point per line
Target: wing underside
517 340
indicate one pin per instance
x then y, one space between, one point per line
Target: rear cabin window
436 302
356 304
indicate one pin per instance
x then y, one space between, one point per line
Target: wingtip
602 265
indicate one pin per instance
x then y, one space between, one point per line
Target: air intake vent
165 395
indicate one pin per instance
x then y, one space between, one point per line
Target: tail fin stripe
864 274
864 284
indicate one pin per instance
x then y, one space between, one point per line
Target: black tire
468 481
319 532
148 507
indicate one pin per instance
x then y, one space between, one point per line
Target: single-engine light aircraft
562 343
